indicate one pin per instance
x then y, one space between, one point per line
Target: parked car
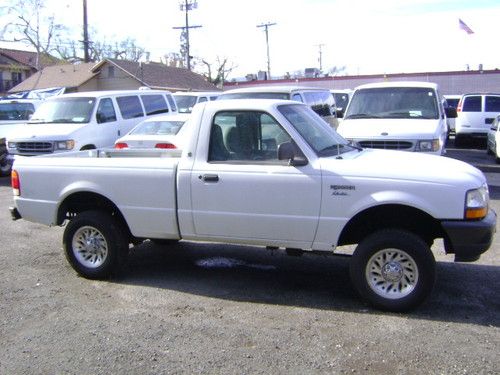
451 101
341 98
187 100
320 100
14 113
407 116
475 114
493 139
87 120
156 132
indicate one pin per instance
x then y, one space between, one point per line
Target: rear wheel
393 270
95 244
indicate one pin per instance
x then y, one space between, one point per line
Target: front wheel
393 270
95 244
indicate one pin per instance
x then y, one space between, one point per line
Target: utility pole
186 6
320 59
266 29
86 57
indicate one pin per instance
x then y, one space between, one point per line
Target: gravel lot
218 309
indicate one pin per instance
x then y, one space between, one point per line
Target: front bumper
469 239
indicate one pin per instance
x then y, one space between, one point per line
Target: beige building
112 74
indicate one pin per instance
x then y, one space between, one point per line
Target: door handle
209 178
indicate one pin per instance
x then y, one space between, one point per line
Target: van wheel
393 270
95 244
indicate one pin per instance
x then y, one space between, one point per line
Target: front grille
388 145
34 147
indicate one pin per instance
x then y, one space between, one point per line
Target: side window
105 111
492 104
171 102
297 98
472 104
245 136
154 104
130 106
202 99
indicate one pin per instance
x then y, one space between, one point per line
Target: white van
320 100
87 120
407 116
476 113
186 100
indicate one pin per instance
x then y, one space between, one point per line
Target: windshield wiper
362 115
62 121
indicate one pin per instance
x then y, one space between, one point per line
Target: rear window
130 106
492 104
472 104
154 104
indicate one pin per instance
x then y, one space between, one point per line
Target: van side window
154 104
245 136
105 111
492 104
202 99
130 106
171 102
472 104
297 98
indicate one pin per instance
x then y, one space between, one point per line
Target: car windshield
64 111
393 102
256 95
315 131
161 127
16 111
185 103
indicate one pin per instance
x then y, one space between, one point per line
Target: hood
389 128
401 165
45 131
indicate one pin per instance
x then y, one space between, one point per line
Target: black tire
95 244
393 269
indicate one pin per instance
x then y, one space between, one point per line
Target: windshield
158 128
316 132
393 102
185 103
256 95
16 111
64 110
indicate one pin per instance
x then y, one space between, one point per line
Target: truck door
242 191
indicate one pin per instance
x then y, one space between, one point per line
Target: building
16 66
112 74
450 83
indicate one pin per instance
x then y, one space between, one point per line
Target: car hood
389 128
401 165
44 131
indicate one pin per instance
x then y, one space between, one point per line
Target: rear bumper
469 239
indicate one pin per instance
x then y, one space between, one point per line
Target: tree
218 72
28 23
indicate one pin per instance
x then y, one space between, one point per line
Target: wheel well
390 216
87 147
85 201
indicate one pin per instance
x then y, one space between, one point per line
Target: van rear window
492 104
130 106
472 104
154 104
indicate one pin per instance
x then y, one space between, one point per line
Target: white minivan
87 120
407 116
186 100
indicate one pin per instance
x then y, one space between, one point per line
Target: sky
364 36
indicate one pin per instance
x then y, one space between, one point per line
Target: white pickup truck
267 173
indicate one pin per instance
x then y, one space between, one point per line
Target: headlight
65 145
476 203
429 146
11 144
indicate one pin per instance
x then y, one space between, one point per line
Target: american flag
464 27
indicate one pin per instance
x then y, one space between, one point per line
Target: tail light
459 106
16 185
121 145
165 145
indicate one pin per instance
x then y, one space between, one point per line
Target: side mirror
289 151
451 112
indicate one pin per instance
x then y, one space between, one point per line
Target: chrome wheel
89 247
392 273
